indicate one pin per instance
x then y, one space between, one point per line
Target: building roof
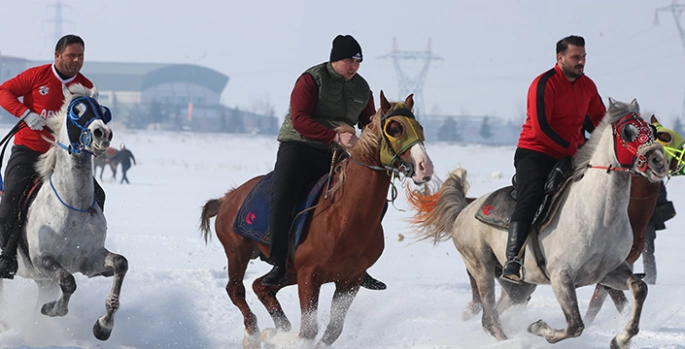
123 76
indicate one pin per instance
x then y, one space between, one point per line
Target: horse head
85 122
634 143
673 144
401 140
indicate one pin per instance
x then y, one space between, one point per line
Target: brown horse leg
596 302
476 304
342 300
267 295
236 292
308 289
565 291
623 278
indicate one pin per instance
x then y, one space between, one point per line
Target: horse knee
68 284
576 329
120 264
639 289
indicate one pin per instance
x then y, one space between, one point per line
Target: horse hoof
536 327
252 341
471 311
50 309
101 333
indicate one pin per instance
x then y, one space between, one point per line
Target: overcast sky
490 50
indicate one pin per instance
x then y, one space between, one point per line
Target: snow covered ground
174 297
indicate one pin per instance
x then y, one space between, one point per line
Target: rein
67 205
610 168
390 171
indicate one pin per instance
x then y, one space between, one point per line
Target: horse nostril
426 178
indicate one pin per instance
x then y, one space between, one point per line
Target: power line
676 10
411 84
58 20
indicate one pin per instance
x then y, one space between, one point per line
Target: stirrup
514 278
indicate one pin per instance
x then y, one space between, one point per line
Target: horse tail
437 212
209 210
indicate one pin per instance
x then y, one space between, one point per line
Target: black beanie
345 47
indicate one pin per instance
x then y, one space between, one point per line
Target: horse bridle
80 137
630 152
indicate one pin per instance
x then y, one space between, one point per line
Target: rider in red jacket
42 91
561 103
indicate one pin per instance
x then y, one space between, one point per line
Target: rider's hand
34 121
346 139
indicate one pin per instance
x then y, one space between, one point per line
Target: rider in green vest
327 93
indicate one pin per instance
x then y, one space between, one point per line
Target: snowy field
174 297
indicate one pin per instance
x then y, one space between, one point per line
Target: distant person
662 212
35 95
561 103
327 93
125 157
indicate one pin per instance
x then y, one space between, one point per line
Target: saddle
252 219
497 208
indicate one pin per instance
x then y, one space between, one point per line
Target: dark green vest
339 101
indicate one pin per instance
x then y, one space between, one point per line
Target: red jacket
303 100
41 88
556 111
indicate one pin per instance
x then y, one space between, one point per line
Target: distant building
470 129
159 95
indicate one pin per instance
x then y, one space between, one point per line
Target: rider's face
347 67
572 61
70 61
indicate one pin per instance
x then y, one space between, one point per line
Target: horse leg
476 304
622 278
513 294
342 300
308 289
52 269
565 291
104 324
267 295
485 282
596 302
236 292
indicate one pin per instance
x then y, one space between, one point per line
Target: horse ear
612 102
653 120
385 105
634 104
409 102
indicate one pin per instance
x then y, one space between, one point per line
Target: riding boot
372 284
8 257
512 271
278 275
648 255
99 195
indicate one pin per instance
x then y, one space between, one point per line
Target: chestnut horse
344 236
109 158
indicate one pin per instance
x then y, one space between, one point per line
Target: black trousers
124 169
18 178
298 166
532 170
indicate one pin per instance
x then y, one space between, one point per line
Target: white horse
65 229
585 243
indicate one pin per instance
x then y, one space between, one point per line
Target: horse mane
46 162
366 149
615 111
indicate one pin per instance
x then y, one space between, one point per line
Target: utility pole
411 84
58 20
676 10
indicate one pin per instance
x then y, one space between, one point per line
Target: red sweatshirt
41 88
556 112
303 100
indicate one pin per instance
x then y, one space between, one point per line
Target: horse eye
664 137
629 133
395 129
